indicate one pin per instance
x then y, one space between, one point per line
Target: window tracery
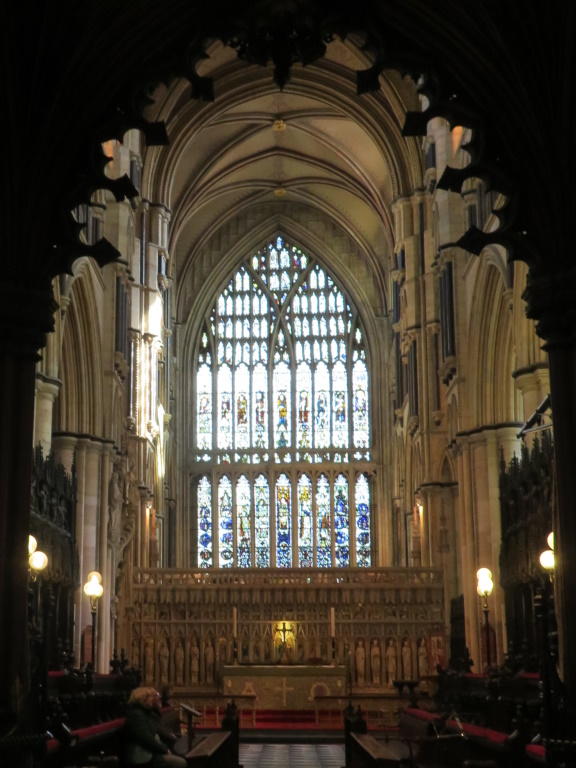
282 433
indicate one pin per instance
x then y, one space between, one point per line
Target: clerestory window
282 430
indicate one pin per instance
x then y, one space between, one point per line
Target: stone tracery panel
180 624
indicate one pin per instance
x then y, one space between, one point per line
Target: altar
284 686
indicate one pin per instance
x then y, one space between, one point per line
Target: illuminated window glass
341 522
305 524
225 534
363 543
243 523
283 523
281 393
323 524
262 521
205 558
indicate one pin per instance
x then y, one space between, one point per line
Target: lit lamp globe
550 540
485 583
36 560
93 588
547 560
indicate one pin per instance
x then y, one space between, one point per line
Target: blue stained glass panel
225 530
341 523
243 523
204 498
262 521
363 541
305 523
283 523
323 524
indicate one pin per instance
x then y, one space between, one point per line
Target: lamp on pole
93 589
484 589
36 560
547 560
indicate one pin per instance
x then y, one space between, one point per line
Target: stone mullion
468 555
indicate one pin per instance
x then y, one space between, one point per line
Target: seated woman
147 741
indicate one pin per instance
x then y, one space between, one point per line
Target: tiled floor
292 755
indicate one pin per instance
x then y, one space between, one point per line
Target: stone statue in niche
149 660
391 662
114 506
360 663
163 659
376 662
135 655
406 659
209 661
194 661
179 664
422 657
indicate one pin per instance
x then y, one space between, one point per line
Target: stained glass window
281 393
244 523
226 536
205 558
341 522
283 523
305 523
362 501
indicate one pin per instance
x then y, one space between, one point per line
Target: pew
416 743
220 749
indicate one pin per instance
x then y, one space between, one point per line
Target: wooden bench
81 743
415 743
210 751
193 718
487 743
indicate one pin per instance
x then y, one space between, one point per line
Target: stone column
468 553
551 302
26 316
46 392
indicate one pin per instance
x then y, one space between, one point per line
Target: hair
140 695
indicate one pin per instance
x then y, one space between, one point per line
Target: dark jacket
145 733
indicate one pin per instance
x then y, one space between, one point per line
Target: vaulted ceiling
314 161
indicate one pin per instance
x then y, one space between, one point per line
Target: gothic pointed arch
79 408
280 402
493 398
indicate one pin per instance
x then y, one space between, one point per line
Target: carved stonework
382 621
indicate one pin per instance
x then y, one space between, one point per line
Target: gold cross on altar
284 631
284 690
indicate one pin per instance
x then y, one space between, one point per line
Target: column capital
550 300
26 317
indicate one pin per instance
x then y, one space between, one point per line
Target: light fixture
93 589
37 560
484 589
547 558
